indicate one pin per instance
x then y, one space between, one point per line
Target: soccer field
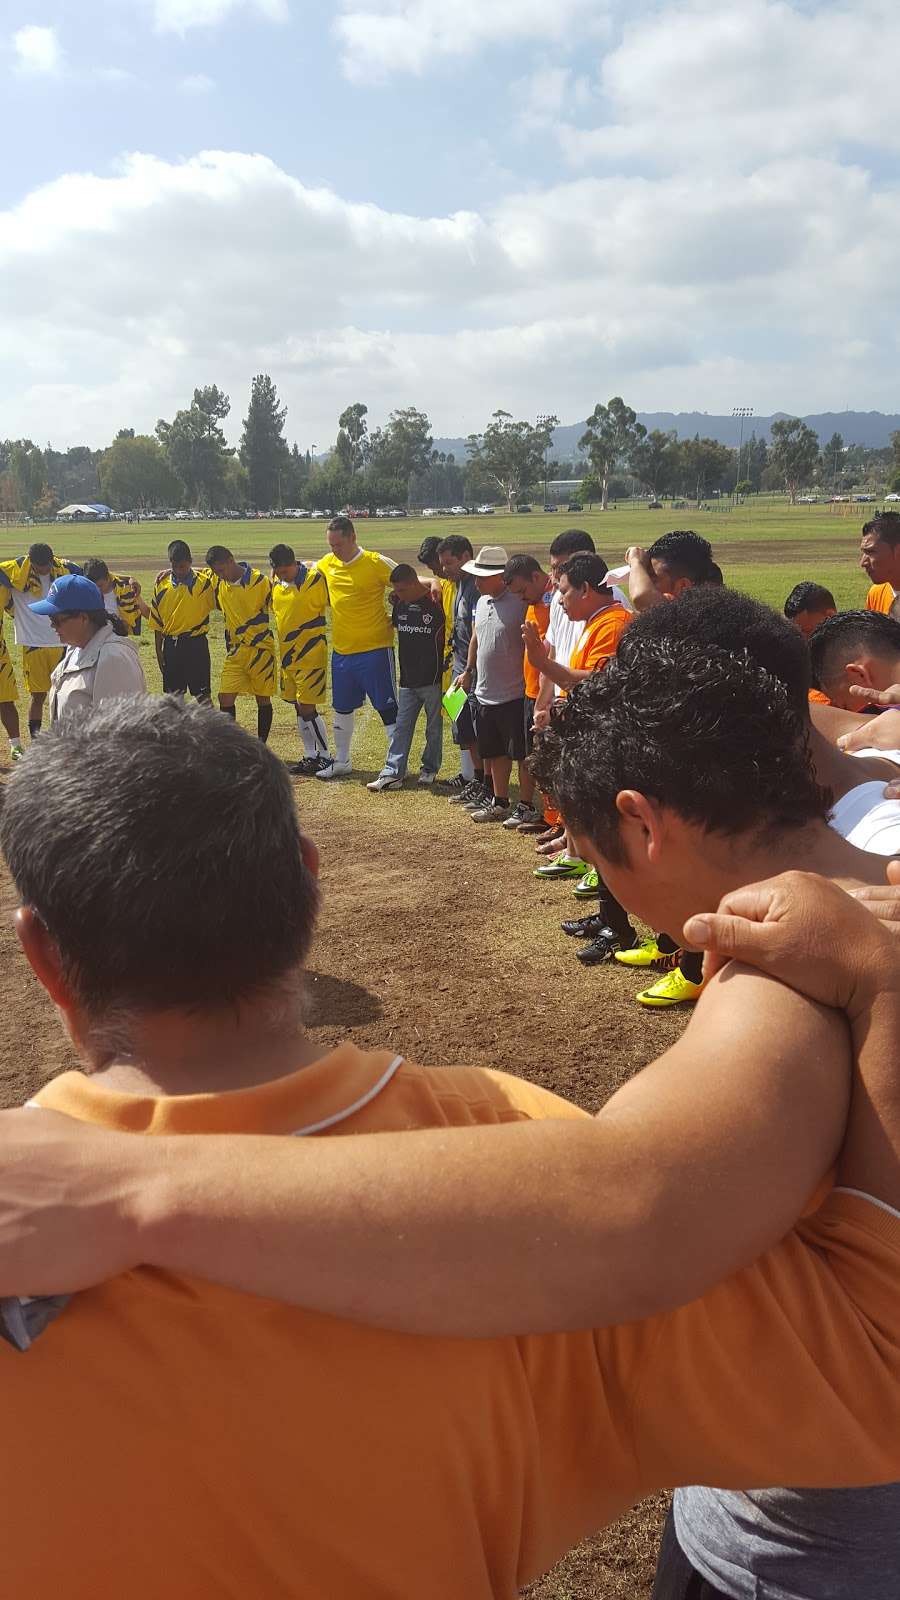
434 937
764 547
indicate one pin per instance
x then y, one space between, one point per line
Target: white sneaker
426 779
334 769
385 780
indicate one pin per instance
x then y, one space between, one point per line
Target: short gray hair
159 845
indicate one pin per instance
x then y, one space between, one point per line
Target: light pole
743 412
541 422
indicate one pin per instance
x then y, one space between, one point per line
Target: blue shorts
365 673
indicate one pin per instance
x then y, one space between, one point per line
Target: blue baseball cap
71 593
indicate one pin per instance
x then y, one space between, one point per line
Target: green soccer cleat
561 866
588 887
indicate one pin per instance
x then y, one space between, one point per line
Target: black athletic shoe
455 785
307 768
602 949
586 927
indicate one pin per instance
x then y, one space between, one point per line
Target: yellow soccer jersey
182 605
299 609
8 690
18 572
126 602
356 592
245 606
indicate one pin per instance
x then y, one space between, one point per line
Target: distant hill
871 428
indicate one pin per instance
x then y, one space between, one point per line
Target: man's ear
640 825
42 956
310 854
858 672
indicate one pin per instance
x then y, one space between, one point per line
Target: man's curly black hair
704 731
733 621
686 554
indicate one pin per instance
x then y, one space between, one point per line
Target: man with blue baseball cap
97 665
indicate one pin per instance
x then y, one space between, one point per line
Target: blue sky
458 204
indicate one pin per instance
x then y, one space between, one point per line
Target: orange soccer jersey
880 598
540 616
600 639
169 1436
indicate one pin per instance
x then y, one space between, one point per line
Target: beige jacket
103 669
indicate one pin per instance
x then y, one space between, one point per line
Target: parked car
654 505
483 511
522 509
574 505
863 499
808 500
892 497
459 511
550 508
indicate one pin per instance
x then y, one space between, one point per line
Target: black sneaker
602 949
307 768
586 927
455 785
472 791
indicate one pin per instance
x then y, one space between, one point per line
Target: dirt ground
436 941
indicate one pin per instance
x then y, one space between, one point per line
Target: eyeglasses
63 616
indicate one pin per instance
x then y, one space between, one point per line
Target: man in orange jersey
448 1467
526 578
586 598
855 656
879 557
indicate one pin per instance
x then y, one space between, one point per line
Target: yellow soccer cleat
647 954
672 990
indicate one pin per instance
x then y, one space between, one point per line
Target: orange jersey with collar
880 597
246 1448
600 639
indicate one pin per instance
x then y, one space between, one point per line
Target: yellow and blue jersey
127 602
299 610
182 605
19 574
356 591
245 606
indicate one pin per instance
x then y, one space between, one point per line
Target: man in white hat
494 665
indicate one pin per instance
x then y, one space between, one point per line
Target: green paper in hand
453 702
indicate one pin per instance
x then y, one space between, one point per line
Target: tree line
187 462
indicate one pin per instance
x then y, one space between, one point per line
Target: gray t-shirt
794 1544
501 653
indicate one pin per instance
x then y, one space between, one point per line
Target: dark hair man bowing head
244 596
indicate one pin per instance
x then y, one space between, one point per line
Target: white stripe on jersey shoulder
357 1105
325 1122
873 1200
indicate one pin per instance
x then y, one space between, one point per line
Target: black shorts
464 726
529 724
500 730
185 665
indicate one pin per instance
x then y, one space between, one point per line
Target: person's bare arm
697 1165
642 590
464 681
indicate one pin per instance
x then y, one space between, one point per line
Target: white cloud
123 292
382 37
731 82
196 83
177 16
37 49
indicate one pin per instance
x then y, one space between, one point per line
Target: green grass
764 547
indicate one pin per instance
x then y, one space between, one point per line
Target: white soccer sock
320 734
343 734
466 765
307 737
